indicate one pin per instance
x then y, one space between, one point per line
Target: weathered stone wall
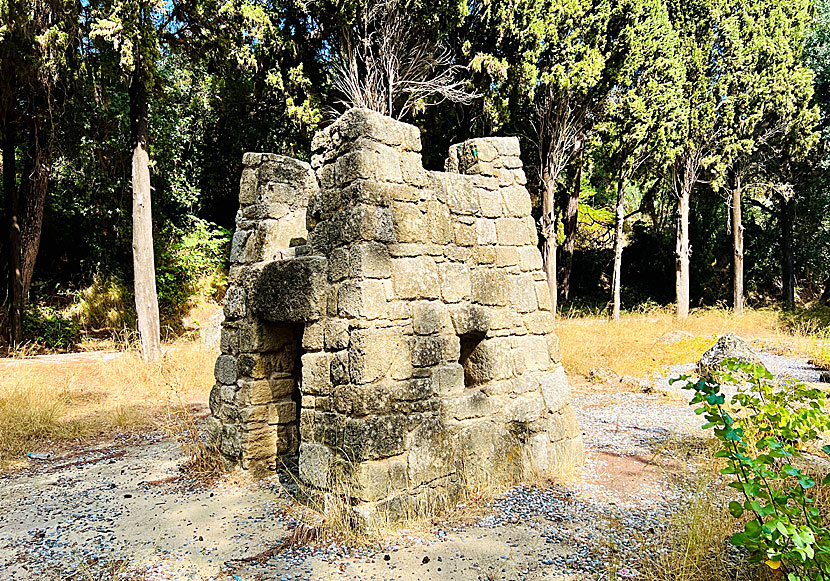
413 328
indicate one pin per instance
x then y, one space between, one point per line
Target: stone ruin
389 319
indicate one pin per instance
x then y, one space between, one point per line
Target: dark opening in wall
297 392
469 361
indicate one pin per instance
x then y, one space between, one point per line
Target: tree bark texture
570 222
15 296
34 185
682 252
618 249
738 251
146 300
549 235
787 254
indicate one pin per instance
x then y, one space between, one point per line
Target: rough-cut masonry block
375 436
516 201
470 319
389 325
490 287
512 232
226 369
525 408
315 464
415 278
491 203
263 391
410 222
291 290
370 260
456 282
555 389
369 351
316 373
431 454
377 479
486 230
430 318
523 294
362 299
439 225
235 302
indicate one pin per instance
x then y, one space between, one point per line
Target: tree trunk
15 297
682 252
787 260
738 251
825 295
570 221
31 204
549 234
146 301
618 248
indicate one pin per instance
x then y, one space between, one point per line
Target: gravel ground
122 511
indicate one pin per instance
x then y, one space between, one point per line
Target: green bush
196 261
47 326
762 431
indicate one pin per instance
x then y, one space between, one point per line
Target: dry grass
696 546
54 402
632 346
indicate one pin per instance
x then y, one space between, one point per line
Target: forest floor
648 503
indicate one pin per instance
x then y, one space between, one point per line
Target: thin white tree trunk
549 235
619 241
146 300
682 254
738 247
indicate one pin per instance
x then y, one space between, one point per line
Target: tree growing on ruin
386 62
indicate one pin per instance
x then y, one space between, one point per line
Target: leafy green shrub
195 262
47 326
762 431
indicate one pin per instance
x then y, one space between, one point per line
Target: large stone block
490 287
415 278
370 260
362 298
291 290
375 437
316 373
370 353
316 461
555 389
378 479
431 452
456 282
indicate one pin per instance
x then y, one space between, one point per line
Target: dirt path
122 512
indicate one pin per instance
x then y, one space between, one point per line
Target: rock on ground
728 346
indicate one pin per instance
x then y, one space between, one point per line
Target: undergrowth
56 404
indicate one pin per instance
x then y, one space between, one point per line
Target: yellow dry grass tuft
633 347
54 401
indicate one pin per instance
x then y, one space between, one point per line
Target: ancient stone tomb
390 320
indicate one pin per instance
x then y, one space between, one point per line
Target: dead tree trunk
570 222
618 248
787 256
738 251
549 235
146 300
